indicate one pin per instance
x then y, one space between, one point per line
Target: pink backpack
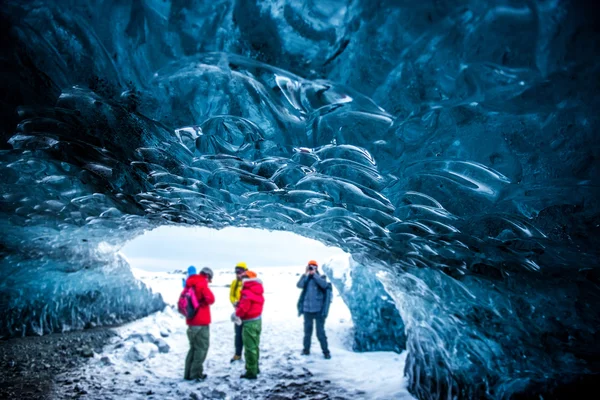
188 303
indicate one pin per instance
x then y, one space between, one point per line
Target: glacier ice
377 324
450 147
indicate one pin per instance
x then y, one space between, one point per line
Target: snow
375 375
142 351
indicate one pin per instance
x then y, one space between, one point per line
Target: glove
235 319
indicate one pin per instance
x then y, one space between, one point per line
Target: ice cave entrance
160 258
362 312
173 248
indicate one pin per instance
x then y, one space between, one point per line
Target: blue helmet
191 270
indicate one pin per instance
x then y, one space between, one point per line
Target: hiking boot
236 358
327 355
305 352
201 378
248 376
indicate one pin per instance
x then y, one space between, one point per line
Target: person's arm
232 290
208 296
319 280
243 307
302 281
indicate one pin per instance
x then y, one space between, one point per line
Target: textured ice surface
377 324
451 147
42 294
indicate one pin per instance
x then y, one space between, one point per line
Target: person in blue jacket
190 271
314 304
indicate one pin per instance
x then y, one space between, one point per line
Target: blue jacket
316 295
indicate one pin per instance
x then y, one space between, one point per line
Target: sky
170 248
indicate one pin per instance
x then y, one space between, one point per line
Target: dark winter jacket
251 301
205 298
318 297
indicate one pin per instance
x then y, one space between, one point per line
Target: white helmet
208 272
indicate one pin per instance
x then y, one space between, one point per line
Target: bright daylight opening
160 259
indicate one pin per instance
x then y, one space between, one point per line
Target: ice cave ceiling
450 146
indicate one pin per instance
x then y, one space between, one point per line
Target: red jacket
205 297
251 302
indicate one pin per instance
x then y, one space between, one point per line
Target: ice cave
450 146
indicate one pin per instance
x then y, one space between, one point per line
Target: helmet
191 270
313 262
208 272
242 265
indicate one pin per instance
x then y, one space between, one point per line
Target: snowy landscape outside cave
166 255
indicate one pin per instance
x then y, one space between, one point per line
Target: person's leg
190 355
258 346
239 342
204 344
201 344
321 334
251 337
308 330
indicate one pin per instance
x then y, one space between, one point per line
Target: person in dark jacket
198 327
314 304
249 311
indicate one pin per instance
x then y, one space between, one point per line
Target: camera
311 268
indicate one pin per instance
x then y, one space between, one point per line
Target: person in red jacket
198 327
249 311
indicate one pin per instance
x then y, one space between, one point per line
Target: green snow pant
199 337
251 338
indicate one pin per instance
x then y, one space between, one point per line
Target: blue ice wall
452 144
377 324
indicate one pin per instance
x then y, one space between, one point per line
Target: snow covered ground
284 372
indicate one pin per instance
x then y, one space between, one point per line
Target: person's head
191 270
240 269
249 274
312 265
207 272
